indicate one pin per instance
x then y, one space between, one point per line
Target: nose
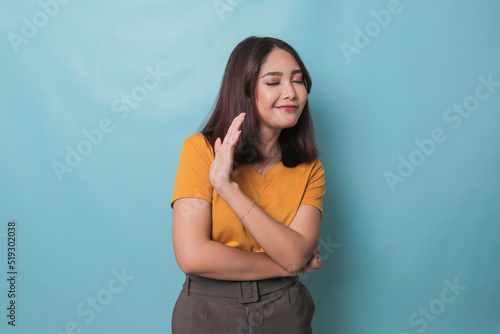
289 91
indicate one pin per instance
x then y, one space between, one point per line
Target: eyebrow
281 73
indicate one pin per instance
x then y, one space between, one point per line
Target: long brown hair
237 95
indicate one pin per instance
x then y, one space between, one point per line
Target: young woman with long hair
247 200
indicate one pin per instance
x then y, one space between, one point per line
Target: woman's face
280 92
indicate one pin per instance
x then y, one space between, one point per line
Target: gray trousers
272 306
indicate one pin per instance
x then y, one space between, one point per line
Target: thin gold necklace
260 170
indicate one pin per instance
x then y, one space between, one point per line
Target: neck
268 144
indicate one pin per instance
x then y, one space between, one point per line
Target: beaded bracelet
253 204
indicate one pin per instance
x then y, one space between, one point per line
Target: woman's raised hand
222 166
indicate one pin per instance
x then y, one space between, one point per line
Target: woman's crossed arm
196 253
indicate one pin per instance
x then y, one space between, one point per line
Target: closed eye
277 83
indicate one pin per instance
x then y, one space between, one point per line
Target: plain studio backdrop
97 97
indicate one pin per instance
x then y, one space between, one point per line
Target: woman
247 200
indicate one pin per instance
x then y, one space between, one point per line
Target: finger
316 264
217 145
236 137
237 129
226 148
233 128
229 149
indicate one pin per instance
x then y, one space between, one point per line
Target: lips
288 107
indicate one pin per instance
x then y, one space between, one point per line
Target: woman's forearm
215 260
285 246
197 254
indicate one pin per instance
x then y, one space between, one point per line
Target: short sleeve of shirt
192 177
315 189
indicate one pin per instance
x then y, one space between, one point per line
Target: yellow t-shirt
279 192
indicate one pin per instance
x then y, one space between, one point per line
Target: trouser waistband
243 291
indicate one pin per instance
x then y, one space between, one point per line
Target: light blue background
387 252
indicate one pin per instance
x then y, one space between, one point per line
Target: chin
289 125
292 122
